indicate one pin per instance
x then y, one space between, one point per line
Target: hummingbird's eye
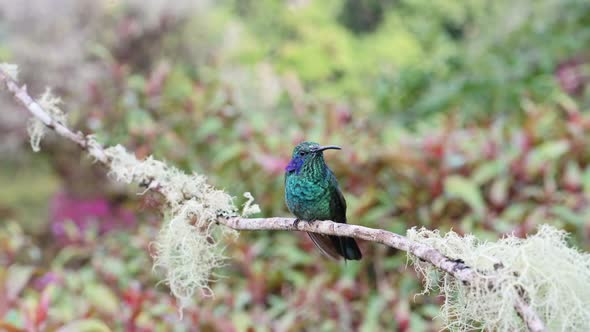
302 153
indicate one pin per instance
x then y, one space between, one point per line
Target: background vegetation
468 115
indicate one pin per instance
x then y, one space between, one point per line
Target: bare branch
455 268
426 253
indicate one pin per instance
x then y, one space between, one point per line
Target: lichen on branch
554 276
10 69
35 127
187 250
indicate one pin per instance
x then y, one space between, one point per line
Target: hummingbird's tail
336 246
347 247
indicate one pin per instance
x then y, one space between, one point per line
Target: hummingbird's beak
328 147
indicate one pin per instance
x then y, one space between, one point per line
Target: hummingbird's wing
325 244
330 245
337 201
344 246
334 246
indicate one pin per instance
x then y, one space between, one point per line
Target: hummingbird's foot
296 223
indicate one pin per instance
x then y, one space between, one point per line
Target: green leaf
17 278
178 86
208 127
227 154
139 120
277 306
466 190
101 297
566 214
136 82
546 152
515 211
374 310
586 181
85 325
487 171
430 310
408 286
242 321
417 323
499 191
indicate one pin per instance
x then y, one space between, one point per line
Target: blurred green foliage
465 115
422 57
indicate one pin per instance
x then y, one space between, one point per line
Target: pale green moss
249 207
554 276
186 254
35 127
187 249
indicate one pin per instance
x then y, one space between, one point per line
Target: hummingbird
312 193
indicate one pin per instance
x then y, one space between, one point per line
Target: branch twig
453 267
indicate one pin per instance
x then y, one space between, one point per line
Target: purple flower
85 212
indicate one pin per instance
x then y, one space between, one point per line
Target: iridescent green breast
308 199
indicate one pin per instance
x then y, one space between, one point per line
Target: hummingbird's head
307 153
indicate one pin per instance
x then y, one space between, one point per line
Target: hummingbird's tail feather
336 246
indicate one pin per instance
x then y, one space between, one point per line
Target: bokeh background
466 115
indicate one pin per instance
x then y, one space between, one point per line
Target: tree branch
21 94
455 268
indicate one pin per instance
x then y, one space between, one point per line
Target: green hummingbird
312 193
